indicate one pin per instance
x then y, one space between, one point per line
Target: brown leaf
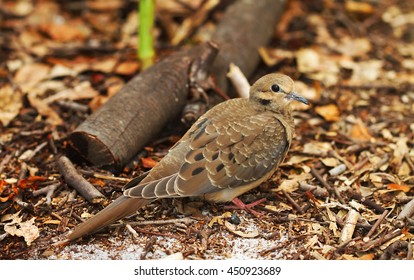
360 132
127 67
329 112
29 75
148 162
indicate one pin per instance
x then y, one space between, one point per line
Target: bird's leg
238 204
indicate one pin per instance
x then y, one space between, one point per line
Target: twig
407 211
107 177
316 190
36 150
367 202
345 243
381 240
360 164
397 245
75 180
131 230
158 233
293 202
148 247
185 220
52 144
239 81
349 226
376 225
337 170
49 190
57 216
324 183
74 106
409 251
77 217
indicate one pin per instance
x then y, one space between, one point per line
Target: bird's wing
214 156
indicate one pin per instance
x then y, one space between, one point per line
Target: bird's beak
294 96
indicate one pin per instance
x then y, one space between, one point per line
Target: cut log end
90 148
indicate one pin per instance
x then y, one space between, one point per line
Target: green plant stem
145 44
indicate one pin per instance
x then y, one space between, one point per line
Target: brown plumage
230 150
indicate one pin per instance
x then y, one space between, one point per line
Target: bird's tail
120 208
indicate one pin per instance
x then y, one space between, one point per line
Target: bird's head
275 91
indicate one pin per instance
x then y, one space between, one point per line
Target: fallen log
245 26
121 127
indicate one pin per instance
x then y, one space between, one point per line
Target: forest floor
345 190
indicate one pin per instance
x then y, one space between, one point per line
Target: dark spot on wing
197 171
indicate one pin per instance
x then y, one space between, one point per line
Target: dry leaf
366 72
331 162
308 60
44 109
297 159
10 104
360 132
29 75
329 112
292 185
398 187
67 32
317 148
232 228
24 229
83 90
354 46
219 219
127 67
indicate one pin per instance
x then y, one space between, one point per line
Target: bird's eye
275 88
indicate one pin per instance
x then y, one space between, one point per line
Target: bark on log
120 128
245 26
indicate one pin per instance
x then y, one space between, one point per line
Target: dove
234 147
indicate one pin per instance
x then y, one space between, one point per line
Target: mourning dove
231 149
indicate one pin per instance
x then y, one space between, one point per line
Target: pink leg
238 204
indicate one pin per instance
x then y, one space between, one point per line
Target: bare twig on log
132 117
239 81
245 26
75 180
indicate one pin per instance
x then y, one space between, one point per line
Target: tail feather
120 208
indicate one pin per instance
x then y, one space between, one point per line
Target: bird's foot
238 204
